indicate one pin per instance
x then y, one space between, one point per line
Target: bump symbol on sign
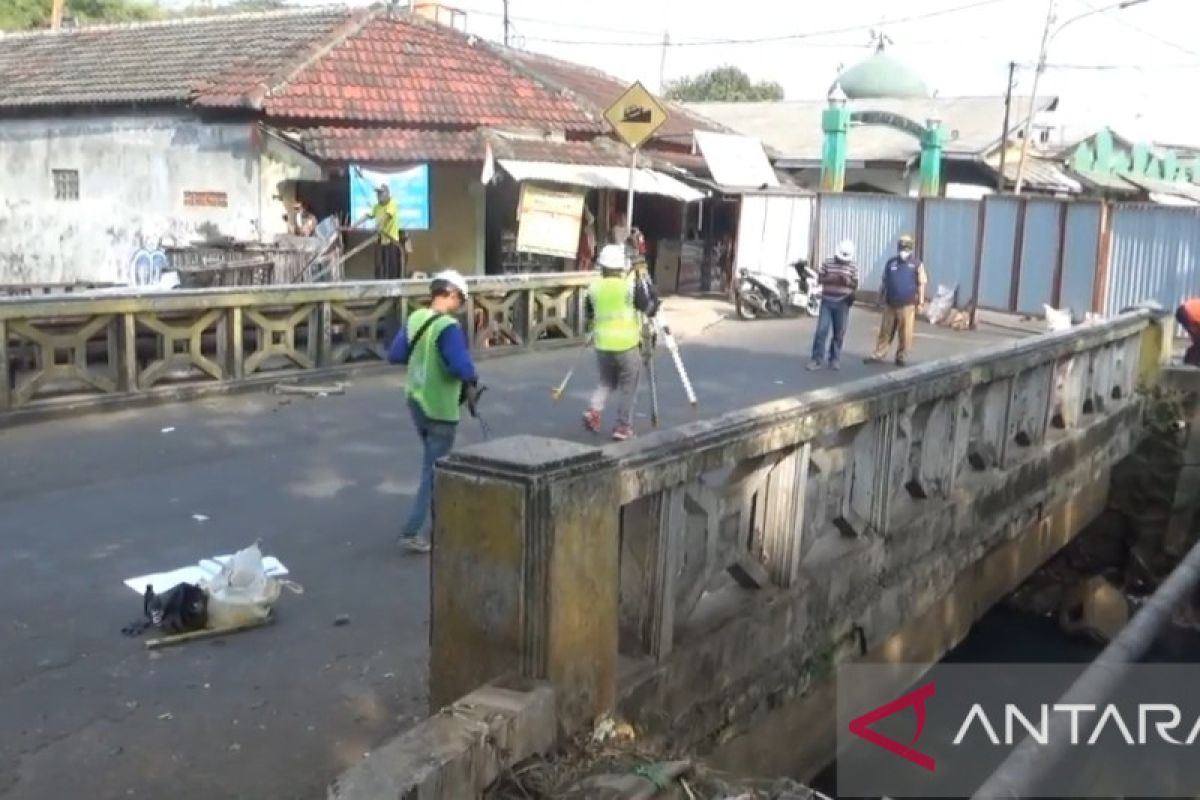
639 114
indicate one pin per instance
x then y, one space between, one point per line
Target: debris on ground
610 762
217 597
341 620
200 517
310 389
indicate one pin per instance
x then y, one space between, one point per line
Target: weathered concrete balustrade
696 578
92 348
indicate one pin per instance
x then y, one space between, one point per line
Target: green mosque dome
881 76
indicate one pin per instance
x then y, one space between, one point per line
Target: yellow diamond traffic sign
636 115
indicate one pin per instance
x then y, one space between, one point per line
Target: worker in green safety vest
441 377
613 301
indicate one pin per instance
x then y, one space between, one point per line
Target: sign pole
633 151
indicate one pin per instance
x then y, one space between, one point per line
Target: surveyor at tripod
901 294
441 377
838 277
613 302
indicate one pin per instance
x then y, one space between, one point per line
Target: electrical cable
776 38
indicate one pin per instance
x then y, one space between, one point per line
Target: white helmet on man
449 279
612 258
844 251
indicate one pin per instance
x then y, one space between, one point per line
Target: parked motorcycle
758 295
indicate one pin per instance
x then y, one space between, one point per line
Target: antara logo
1160 718
861 726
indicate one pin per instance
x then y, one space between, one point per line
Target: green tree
723 84
235 7
23 15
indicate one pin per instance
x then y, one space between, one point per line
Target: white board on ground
207 569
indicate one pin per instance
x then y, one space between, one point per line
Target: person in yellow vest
441 377
389 256
613 302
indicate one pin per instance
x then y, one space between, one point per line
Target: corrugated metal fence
1154 256
1019 254
872 222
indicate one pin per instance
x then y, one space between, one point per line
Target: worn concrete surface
272 714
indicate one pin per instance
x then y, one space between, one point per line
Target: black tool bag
181 609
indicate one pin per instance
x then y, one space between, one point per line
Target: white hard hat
845 250
450 278
612 257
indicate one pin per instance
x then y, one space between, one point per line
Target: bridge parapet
697 576
91 348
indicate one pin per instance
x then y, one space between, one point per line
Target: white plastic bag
941 304
1056 319
242 592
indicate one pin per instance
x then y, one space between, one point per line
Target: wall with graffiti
98 199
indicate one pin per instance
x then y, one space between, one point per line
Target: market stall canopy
646 181
736 161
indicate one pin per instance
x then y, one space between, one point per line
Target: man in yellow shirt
389 257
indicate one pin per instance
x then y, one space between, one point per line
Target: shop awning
736 161
646 181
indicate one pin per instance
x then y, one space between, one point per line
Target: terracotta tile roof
155 62
601 152
406 70
323 66
392 144
600 90
374 145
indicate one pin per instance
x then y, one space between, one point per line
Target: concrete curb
458 752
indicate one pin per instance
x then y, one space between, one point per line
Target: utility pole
506 23
1033 98
662 63
56 14
1012 70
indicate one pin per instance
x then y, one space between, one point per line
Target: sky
1133 69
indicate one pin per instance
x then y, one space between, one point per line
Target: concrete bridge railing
93 348
697 577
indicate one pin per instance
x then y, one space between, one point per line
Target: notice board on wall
548 221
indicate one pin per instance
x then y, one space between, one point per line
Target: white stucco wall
133 173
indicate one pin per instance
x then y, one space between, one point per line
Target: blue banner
409 187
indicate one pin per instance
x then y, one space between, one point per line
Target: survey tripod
653 330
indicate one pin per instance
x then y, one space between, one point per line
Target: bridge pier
524 572
726 566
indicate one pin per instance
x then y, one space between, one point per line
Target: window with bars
66 184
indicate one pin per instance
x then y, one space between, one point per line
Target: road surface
273 714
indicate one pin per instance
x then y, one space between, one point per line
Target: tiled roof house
120 129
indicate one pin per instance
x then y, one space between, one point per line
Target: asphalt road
273 714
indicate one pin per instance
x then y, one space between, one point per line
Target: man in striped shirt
839 280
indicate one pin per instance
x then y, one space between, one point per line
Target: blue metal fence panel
872 222
949 241
1081 252
999 241
1153 256
1039 255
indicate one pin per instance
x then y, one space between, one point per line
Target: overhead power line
1118 19
775 38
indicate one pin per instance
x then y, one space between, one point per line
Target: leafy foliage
722 84
23 15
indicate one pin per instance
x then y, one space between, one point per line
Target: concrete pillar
525 572
931 159
835 122
1157 342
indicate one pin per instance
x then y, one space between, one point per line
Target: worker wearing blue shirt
440 375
